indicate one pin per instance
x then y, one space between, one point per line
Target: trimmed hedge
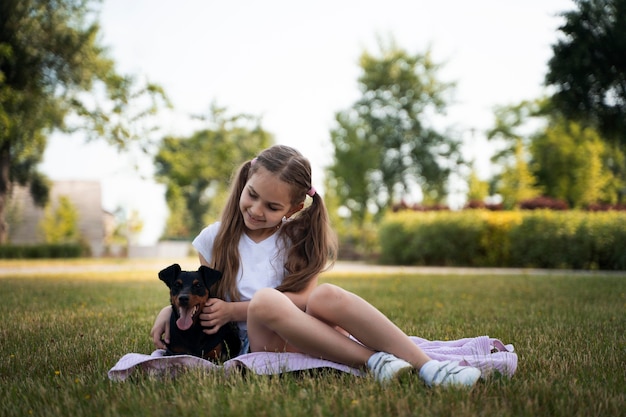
43 251
526 239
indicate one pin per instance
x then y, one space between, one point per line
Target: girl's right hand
160 332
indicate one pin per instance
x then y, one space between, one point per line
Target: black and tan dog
189 291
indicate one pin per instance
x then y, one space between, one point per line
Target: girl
271 249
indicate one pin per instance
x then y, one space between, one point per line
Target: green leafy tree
615 160
55 75
196 170
588 69
517 183
385 145
570 163
512 126
177 225
60 222
478 190
352 167
128 226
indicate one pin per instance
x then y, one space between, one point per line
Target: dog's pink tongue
186 318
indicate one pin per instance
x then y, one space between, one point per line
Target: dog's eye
196 285
177 284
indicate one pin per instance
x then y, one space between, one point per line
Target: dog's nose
183 299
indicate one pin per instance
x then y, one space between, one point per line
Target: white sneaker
387 367
448 373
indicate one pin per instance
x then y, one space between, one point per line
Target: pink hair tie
253 161
311 191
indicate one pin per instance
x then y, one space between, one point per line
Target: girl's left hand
215 314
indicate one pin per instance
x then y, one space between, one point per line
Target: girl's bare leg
276 324
363 321
336 306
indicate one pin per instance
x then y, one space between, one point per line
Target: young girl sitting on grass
270 249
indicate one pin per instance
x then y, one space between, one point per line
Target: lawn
61 333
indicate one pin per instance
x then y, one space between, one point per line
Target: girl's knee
325 290
263 295
264 303
326 297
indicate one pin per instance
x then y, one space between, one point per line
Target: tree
517 183
60 222
55 75
567 161
477 189
196 170
512 126
354 163
384 145
588 68
570 163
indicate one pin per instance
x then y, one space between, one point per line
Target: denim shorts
245 343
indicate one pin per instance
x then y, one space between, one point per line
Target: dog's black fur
189 291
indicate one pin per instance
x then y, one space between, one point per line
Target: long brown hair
308 239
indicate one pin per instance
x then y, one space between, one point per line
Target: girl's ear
294 210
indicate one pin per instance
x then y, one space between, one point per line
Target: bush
476 204
495 237
605 207
546 239
603 235
43 251
527 239
547 203
424 239
395 237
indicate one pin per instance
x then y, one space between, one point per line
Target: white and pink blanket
487 354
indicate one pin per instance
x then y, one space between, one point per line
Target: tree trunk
5 189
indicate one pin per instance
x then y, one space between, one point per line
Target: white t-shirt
262 264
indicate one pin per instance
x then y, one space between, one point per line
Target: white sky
296 64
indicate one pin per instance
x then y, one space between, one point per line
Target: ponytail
226 258
311 245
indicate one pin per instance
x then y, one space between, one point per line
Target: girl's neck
259 236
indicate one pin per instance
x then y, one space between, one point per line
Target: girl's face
264 202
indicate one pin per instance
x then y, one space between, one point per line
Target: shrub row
42 251
536 203
527 239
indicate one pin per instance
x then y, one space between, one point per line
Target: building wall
86 196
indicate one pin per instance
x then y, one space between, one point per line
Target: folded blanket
489 355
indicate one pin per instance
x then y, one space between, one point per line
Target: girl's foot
386 367
448 373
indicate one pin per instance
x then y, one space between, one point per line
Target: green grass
61 334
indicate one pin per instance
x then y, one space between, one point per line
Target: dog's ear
169 274
209 275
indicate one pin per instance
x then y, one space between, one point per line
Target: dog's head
189 290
